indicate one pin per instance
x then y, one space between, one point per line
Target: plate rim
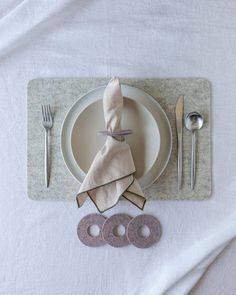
153 101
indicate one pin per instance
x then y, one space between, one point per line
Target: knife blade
179 111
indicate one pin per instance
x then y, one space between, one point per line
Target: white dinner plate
150 141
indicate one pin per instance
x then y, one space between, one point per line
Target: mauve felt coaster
108 230
83 227
133 231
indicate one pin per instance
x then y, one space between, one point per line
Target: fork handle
46 158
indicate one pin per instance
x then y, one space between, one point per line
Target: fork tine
43 112
46 112
50 112
47 116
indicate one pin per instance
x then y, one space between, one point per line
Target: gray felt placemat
61 93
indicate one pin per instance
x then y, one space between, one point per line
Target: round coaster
83 230
110 226
134 227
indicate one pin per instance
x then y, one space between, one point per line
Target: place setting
109 140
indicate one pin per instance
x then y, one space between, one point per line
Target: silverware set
193 122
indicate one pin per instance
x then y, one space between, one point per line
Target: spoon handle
193 160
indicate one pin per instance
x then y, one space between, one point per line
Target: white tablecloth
39 249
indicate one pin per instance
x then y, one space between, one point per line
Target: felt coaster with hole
133 231
109 226
83 230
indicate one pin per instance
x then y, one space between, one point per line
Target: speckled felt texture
83 226
133 231
108 230
61 93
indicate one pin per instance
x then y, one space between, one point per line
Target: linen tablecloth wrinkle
68 38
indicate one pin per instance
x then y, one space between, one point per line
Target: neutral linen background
39 250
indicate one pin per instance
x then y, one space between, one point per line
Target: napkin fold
111 174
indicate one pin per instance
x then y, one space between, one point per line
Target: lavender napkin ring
115 133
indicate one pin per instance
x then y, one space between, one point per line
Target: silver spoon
193 122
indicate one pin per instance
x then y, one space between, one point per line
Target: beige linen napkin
111 173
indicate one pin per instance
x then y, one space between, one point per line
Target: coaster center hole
144 231
119 230
93 230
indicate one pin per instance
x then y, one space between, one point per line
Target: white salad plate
150 141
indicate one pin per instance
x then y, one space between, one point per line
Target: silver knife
179 111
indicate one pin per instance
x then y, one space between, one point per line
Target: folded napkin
111 173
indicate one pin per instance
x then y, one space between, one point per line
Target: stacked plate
150 141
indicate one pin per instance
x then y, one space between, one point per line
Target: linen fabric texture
111 174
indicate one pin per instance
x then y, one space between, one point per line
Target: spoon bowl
193 121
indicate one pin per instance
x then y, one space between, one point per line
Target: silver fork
47 124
